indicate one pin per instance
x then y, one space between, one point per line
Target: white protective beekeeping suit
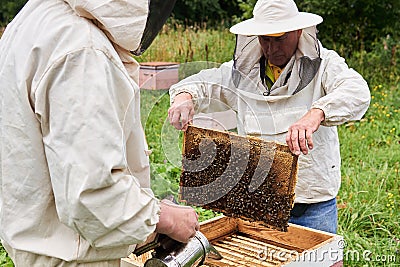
74 161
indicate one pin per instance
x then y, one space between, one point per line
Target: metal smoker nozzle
171 253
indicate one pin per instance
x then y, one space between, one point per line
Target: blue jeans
321 216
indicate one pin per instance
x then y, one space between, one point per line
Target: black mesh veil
159 11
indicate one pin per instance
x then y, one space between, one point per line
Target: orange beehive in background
158 75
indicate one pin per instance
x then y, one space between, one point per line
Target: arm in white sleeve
86 105
347 94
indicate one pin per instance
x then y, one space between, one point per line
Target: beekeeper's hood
274 18
131 24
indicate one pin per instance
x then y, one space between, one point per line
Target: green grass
369 198
369 217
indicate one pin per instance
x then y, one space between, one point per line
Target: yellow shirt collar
275 71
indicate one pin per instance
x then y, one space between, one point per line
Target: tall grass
176 43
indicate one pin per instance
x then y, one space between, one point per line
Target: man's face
279 50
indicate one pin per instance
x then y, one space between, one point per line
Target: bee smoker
170 253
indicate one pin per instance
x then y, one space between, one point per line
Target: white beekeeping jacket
74 161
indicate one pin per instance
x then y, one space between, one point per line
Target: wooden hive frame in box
240 176
250 244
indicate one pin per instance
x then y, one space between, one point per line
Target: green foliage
212 12
205 215
165 180
355 25
247 8
384 56
5 261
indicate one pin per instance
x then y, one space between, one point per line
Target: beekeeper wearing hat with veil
74 161
286 87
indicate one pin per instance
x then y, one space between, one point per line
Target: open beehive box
249 244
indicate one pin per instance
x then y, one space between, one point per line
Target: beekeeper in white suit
284 86
74 162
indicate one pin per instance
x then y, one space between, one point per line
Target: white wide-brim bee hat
275 17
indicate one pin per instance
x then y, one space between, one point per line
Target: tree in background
247 8
212 12
354 25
